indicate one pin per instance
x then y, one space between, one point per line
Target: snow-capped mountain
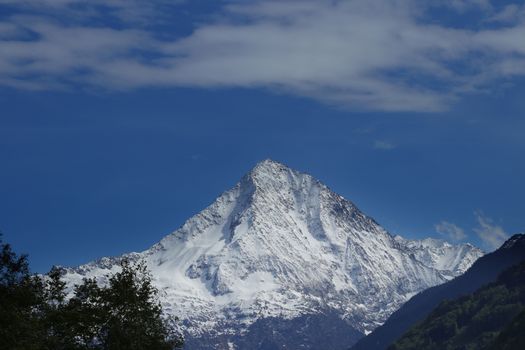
282 247
483 271
451 259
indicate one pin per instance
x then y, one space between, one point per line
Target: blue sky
121 119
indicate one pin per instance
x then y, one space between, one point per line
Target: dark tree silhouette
21 301
124 314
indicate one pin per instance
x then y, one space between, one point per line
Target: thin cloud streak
492 235
450 231
384 145
358 54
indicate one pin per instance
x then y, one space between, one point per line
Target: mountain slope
483 271
440 254
474 321
512 337
282 246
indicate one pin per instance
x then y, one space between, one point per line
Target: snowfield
281 244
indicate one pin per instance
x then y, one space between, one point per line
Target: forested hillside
491 318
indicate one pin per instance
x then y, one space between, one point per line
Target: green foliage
488 319
131 315
21 301
511 337
36 314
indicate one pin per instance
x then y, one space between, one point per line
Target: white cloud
463 5
492 235
450 231
509 14
361 54
384 145
124 10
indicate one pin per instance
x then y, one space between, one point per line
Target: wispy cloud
450 231
512 13
463 5
384 145
364 54
492 235
129 11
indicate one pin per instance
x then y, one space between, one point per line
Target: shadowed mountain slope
485 270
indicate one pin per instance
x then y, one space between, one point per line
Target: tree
86 315
132 315
21 301
57 317
123 315
36 313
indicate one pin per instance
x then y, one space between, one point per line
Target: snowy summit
281 246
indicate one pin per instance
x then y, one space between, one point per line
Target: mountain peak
274 178
268 162
268 167
282 244
518 238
